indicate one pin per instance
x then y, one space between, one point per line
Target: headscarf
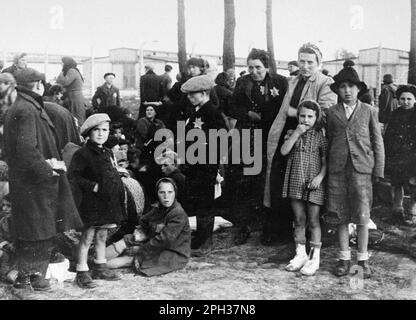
311 47
70 63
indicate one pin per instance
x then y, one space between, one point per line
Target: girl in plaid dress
305 171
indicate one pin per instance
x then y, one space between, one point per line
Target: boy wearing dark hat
400 142
107 95
356 155
293 67
387 101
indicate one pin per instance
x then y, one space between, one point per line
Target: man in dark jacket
387 101
256 102
40 192
19 63
151 90
107 95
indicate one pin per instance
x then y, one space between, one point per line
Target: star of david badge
274 92
198 123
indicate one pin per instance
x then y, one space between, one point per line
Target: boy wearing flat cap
201 178
356 156
107 95
400 142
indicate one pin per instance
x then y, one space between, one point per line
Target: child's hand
288 134
315 183
301 129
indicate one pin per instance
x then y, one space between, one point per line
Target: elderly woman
19 63
161 242
309 84
72 81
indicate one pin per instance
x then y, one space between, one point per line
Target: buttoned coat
359 138
317 89
42 204
109 96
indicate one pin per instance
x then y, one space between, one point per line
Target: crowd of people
67 165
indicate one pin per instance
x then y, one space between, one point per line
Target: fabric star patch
274 92
198 123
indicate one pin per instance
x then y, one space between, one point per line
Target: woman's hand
315 183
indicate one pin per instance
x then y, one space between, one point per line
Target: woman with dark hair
224 93
71 79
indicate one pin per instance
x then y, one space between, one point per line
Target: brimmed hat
406 88
28 75
93 121
197 84
387 78
348 74
109 74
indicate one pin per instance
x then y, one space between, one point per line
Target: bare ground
243 272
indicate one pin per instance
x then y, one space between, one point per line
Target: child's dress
304 164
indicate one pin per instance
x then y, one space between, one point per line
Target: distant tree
411 78
228 58
344 54
181 36
269 33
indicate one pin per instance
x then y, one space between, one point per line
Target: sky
82 27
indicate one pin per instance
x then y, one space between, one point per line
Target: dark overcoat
42 204
109 96
169 247
93 165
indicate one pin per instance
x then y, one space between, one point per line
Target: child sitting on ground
303 184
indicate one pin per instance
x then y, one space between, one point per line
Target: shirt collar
352 107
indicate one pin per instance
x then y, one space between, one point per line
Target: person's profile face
167 167
166 194
308 64
22 62
256 69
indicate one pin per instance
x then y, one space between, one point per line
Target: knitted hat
198 84
93 121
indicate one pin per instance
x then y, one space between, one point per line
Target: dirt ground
244 272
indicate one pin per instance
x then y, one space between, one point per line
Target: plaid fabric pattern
350 195
304 164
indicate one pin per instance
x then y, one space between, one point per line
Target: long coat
73 84
109 96
316 88
93 165
359 138
169 247
64 123
42 204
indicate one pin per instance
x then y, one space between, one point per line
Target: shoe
39 283
342 268
366 269
22 282
299 260
84 280
312 265
101 271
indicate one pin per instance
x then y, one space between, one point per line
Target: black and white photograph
208 155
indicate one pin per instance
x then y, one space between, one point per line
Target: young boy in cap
356 155
201 177
93 171
400 142
107 95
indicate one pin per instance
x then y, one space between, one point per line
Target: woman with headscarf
71 79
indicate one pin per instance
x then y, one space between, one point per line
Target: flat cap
93 121
109 74
28 75
197 84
